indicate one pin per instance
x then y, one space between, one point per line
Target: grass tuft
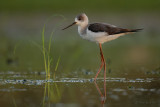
46 53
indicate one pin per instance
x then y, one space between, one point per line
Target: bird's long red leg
102 62
102 58
104 79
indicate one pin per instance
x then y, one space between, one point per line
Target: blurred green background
21 23
133 61
79 5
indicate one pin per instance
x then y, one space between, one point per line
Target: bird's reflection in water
102 95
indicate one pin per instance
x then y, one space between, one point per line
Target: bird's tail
128 31
135 30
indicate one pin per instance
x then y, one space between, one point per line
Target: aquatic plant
46 53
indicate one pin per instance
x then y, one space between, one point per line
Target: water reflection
27 89
52 94
102 95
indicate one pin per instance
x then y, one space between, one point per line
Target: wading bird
99 33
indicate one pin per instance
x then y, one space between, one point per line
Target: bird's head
80 20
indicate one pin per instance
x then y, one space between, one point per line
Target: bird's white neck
82 28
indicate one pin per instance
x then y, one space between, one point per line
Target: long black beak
69 25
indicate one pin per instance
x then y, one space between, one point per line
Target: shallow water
23 89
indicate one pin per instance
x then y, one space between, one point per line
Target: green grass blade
44 52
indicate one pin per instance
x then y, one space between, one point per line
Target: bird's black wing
110 29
